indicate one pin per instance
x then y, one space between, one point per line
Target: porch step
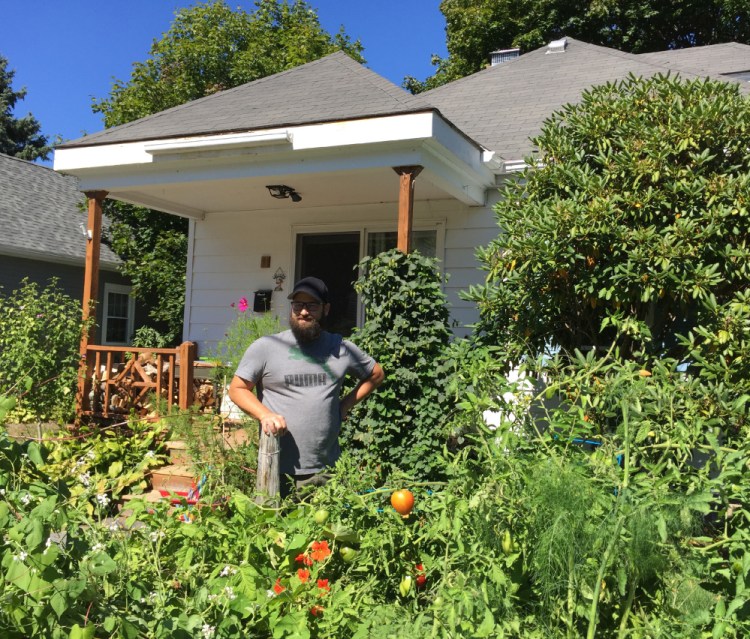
177 478
178 452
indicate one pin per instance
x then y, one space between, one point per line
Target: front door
332 257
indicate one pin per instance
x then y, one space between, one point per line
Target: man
299 374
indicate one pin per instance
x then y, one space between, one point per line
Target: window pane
117 329
423 241
117 305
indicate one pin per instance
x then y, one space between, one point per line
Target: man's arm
241 393
363 389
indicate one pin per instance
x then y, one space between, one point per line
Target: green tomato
405 586
507 543
321 516
348 554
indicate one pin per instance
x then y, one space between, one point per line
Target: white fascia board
394 128
218 142
79 160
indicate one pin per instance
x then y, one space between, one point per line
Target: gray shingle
500 107
332 88
40 213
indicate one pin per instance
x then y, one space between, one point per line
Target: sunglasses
311 307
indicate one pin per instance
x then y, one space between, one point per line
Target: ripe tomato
402 501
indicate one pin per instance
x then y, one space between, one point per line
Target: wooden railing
118 380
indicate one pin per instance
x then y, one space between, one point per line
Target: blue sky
66 52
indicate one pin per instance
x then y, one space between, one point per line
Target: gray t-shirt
302 382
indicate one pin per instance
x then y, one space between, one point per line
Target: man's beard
307 331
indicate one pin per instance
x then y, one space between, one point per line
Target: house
306 171
44 237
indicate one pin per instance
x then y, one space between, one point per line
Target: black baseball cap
312 286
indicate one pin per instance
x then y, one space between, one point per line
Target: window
423 241
117 314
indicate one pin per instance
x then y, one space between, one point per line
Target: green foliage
245 328
40 332
635 217
19 137
475 28
407 332
210 47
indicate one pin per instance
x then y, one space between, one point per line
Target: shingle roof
716 59
330 89
40 214
503 106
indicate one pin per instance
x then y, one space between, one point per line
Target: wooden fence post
267 483
186 354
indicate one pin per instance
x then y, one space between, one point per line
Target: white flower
2 491
114 526
207 631
21 556
25 498
229 592
150 454
226 571
48 543
270 594
103 499
156 535
97 547
85 479
91 454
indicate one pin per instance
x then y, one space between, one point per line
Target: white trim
109 287
217 142
189 280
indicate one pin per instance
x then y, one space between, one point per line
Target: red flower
304 559
277 587
323 585
419 568
320 550
317 611
303 574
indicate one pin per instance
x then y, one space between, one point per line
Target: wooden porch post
186 356
90 292
407 176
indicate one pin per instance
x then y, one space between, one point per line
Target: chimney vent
504 55
557 46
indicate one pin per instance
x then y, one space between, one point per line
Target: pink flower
242 305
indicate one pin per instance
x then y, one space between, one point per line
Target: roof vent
557 46
504 55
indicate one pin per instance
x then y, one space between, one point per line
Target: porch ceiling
354 187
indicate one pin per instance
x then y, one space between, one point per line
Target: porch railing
118 380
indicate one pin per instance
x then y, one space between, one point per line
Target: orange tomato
402 501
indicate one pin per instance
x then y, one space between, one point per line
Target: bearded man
298 375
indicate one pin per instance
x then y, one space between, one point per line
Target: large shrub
406 330
40 333
638 210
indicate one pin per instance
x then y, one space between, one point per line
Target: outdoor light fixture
282 191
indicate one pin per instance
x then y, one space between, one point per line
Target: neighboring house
44 236
334 132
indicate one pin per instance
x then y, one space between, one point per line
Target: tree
19 137
209 48
635 226
477 27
